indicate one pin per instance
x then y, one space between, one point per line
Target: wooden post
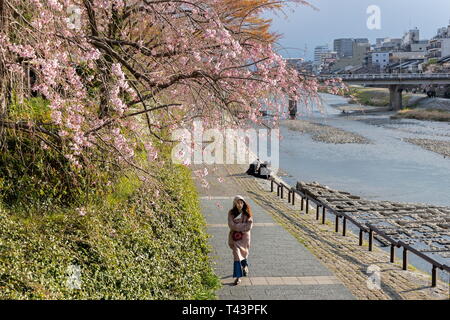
392 253
360 237
434 276
344 226
307 205
323 215
370 239
405 259
337 224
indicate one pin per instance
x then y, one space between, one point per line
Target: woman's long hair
247 211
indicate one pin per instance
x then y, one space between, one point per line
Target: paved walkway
342 255
280 267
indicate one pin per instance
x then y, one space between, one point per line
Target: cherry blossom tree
109 68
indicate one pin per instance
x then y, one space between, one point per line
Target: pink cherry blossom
112 87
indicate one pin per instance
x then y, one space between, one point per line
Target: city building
302 66
319 51
443 32
407 55
295 62
360 50
343 47
388 44
380 41
306 67
362 40
439 46
380 59
412 36
328 60
421 46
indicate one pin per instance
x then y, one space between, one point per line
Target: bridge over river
396 82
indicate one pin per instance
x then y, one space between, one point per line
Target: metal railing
387 76
363 228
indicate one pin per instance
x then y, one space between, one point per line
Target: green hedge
129 245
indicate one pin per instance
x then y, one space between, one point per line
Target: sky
303 28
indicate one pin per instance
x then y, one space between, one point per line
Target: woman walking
240 221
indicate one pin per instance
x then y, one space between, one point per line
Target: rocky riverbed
324 133
438 146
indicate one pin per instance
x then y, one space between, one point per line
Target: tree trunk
4 87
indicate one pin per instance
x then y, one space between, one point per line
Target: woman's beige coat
240 247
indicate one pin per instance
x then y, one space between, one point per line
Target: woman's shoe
237 281
245 271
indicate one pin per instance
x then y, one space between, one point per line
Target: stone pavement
280 267
343 255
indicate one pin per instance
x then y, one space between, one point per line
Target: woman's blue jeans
237 268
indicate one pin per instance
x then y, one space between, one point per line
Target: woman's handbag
236 235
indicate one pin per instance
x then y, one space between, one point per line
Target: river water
386 169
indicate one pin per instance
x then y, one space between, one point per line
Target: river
388 168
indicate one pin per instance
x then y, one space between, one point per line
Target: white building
443 32
319 53
380 59
412 36
388 44
420 46
403 56
438 48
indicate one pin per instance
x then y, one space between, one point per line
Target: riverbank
417 106
376 97
423 114
324 133
438 146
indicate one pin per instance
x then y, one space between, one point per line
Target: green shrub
33 175
128 242
37 178
36 109
139 248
